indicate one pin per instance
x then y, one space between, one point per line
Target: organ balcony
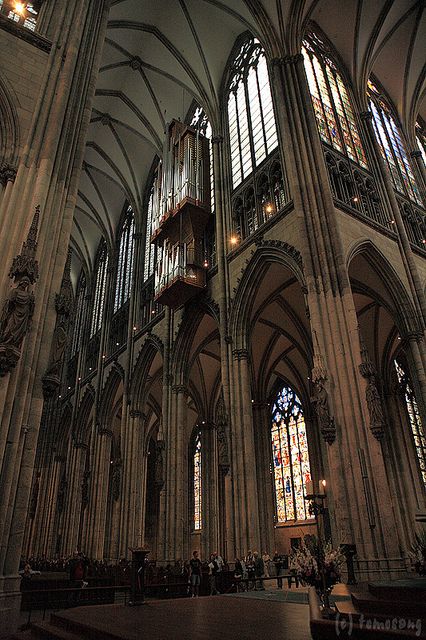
181 211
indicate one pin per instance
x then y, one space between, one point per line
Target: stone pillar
419 164
358 489
210 483
262 433
243 460
48 174
177 533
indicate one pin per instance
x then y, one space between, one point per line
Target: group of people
253 568
215 566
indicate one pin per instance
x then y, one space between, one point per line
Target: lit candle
321 487
309 488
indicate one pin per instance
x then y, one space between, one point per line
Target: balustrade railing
150 309
414 218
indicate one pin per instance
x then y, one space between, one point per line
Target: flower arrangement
316 564
418 552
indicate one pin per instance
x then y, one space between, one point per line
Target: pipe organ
181 210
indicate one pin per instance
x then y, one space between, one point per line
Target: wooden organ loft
180 212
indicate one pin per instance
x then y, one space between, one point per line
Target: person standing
258 571
213 571
266 560
195 574
249 560
277 560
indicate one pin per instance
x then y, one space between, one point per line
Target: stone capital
366 115
180 388
217 139
7 174
240 354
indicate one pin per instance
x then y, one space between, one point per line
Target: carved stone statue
374 405
320 403
16 315
159 463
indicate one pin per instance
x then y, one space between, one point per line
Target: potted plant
318 565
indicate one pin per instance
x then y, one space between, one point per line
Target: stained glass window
79 314
332 107
421 139
391 145
123 283
414 417
197 461
290 457
100 287
24 13
252 129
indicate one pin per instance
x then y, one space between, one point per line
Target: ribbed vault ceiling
160 56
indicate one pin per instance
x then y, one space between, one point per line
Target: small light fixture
90 368
59 396
69 388
234 240
117 344
104 356
269 208
134 328
79 379
392 221
206 264
153 312
20 8
355 199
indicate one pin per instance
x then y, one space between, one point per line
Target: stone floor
209 618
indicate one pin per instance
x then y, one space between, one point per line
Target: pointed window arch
148 268
197 481
251 119
414 417
332 106
392 146
79 314
123 283
100 288
290 456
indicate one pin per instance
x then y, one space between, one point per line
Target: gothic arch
109 392
151 347
9 125
80 433
401 308
267 253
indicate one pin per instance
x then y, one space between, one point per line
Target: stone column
48 174
243 462
357 482
419 164
176 490
210 482
262 432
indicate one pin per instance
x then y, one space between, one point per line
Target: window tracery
414 418
392 146
290 457
123 283
79 314
197 467
100 289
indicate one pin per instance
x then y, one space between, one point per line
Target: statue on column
372 395
18 309
320 399
63 306
159 463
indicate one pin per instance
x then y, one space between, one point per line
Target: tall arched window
148 268
123 283
252 129
79 314
414 417
333 110
391 145
100 287
421 139
197 462
290 456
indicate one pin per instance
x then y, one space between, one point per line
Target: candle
321 487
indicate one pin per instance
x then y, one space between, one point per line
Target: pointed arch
266 254
402 308
9 125
114 380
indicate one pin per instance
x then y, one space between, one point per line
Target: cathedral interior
214 279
